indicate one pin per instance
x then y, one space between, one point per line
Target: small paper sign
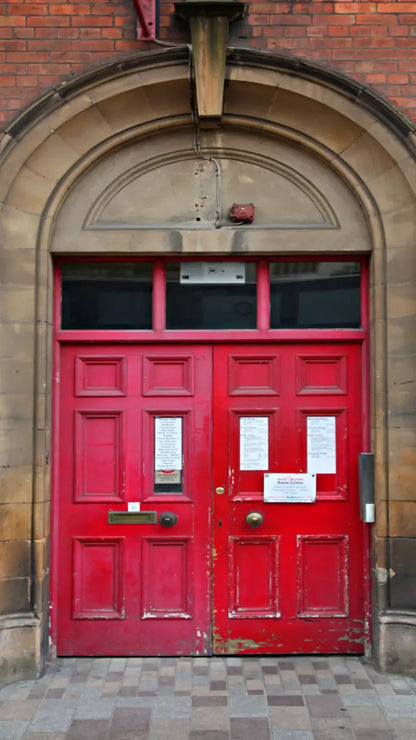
168 443
290 488
162 477
133 506
321 445
254 443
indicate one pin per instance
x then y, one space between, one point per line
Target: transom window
184 295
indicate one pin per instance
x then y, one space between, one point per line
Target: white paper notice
321 445
254 443
290 488
168 443
133 506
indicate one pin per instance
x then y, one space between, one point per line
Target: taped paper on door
289 488
320 436
168 443
254 443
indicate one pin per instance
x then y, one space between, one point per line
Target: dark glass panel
107 296
210 305
315 295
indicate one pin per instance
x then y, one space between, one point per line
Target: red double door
182 436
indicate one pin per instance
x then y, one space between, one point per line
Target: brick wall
42 43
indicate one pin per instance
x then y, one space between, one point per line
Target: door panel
133 589
294 583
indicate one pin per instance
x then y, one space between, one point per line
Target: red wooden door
133 588
294 583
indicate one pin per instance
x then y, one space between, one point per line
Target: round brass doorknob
254 519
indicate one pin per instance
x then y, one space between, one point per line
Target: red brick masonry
43 43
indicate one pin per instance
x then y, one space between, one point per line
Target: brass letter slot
132 517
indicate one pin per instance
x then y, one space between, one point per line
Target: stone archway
127 110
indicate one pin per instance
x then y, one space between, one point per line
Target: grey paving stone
360 698
367 718
206 718
375 735
362 683
292 735
19 710
44 736
168 729
12 730
404 724
87 729
324 706
172 706
49 720
335 734
247 706
243 728
129 723
208 735
286 700
209 701
98 709
289 718
399 706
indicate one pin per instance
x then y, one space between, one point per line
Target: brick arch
49 148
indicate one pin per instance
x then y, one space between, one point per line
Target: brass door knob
220 490
254 519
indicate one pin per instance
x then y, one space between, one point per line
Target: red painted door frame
159 334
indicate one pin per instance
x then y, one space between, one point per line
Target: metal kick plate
132 517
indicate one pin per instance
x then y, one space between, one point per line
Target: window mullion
159 296
263 296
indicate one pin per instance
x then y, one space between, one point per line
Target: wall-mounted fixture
242 213
209 21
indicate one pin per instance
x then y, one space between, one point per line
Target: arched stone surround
46 153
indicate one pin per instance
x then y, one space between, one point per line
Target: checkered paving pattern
249 698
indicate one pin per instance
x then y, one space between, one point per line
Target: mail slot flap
132 517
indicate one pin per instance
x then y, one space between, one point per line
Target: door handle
254 519
168 519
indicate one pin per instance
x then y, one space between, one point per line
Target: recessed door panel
98 578
167 579
294 569
98 455
253 597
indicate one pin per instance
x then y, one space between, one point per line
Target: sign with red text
290 488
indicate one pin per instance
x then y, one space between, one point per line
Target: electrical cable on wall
197 145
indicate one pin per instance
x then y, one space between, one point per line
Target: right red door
288 577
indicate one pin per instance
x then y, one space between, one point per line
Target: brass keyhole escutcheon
219 490
254 519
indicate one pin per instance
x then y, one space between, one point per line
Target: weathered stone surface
403 573
14 595
20 648
402 518
14 559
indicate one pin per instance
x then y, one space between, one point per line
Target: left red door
134 432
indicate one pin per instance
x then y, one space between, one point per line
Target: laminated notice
168 443
320 435
254 443
290 488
